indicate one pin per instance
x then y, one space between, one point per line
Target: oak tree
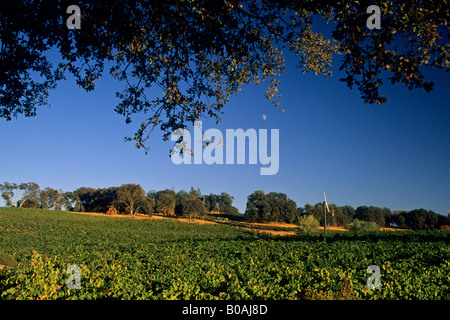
198 53
133 197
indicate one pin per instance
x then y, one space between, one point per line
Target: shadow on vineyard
123 258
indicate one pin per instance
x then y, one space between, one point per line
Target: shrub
308 224
363 226
111 210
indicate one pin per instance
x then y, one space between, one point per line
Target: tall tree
30 192
68 200
148 206
372 214
61 200
152 194
52 197
211 202
225 203
276 202
12 192
84 199
349 212
133 196
258 207
341 215
281 208
103 198
201 52
181 198
189 204
195 193
289 211
316 211
43 199
165 201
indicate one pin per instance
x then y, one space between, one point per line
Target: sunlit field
126 258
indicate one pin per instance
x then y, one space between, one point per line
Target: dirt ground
159 216
269 224
272 232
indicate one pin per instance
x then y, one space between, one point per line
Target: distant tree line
29 195
126 199
278 207
261 207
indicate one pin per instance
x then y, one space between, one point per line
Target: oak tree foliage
198 53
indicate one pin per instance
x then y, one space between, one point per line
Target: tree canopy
11 192
189 204
200 52
133 197
273 206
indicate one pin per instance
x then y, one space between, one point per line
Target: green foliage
225 203
222 202
308 224
196 193
420 219
148 206
29 203
274 206
201 52
94 200
7 260
165 201
363 226
11 192
189 205
37 279
373 214
211 203
166 259
132 196
258 207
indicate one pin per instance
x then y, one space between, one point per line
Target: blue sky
396 155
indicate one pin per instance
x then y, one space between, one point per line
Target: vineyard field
125 258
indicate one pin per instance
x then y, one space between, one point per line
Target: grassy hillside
165 259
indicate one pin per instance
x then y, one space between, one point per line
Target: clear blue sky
396 155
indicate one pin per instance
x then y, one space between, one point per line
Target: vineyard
122 258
